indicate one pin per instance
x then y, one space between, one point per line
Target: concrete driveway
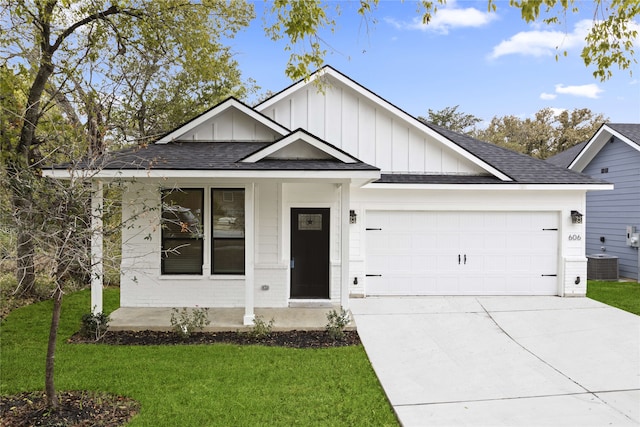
503 360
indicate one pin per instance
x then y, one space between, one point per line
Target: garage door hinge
549 229
549 275
373 275
373 229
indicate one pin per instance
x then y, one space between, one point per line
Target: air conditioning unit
602 267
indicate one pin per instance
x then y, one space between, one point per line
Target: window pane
182 249
228 256
228 213
182 213
182 256
227 248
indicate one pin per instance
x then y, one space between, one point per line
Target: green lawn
623 295
196 385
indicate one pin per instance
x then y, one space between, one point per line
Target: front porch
225 319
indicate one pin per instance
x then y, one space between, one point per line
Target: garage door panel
423 253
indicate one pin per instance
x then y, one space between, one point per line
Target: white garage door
461 253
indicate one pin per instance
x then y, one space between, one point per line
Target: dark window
182 231
227 223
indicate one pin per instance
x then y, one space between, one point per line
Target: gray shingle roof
567 156
630 130
519 167
213 156
564 159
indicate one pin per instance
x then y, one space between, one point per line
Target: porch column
249 254
345 203
96 247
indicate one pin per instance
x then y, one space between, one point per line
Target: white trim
382 103
345 205
300 136
595 144
367 175
220 108
249 254
505 186
97 237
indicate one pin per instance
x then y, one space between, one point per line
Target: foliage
184 322
261 329
609 42
623 295
546 134
94 325
452 119
337 321
197 385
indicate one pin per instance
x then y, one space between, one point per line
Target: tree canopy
452 119
546 134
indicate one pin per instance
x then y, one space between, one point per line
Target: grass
623 295
195 385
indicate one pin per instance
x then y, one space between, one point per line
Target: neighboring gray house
612 217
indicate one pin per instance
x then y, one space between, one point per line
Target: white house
317 196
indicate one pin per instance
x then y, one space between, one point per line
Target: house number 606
575 237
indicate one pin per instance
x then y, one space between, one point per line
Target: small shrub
261 329
94 326
337 322
184 323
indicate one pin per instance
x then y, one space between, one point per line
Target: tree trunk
50 388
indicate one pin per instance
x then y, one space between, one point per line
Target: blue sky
490 64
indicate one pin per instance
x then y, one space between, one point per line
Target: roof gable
331 78
230 120
629 133
300 145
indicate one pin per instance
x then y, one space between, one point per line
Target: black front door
310 253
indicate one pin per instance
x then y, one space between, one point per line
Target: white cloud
446 19
587 91
542 43
548 96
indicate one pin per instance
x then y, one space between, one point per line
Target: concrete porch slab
224 319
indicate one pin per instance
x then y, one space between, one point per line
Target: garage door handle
458 259
465 259
373 275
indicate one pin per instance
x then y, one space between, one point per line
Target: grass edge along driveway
197 384
622 295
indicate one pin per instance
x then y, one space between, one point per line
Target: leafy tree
63 61
102 64
544 135
452 119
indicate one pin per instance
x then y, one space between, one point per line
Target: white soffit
218 109
295 138
595 144
366 93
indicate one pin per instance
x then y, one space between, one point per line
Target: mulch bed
295 339
76 408
83 409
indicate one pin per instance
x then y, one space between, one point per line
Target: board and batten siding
610 212
231 125
373 134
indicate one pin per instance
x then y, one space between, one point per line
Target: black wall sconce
576 217
352 217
